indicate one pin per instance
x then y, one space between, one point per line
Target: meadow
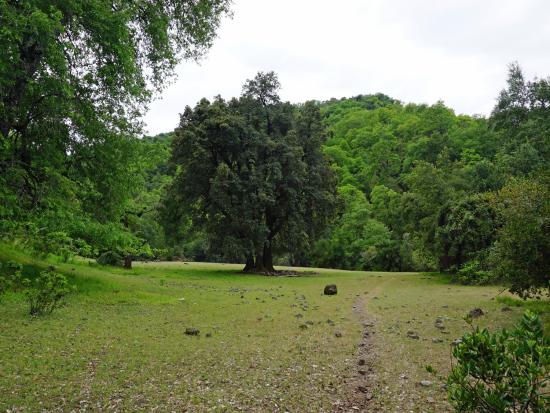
265 343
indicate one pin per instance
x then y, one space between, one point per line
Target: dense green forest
366 183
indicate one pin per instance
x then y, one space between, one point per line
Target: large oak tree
252 174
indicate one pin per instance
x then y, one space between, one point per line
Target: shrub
502 372
10 273
472 273
110 258
46 292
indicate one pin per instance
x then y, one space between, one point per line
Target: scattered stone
338 334
208 334
437 340
412 334
456 342
299 315
331 289
303 326
362 372
361 362
330 322
309 322
475 313
430 400
190 331
505 309
426 383
362 389
439 323
403 377
369 396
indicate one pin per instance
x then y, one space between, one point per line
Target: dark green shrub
110 258
46 292
10 275
502 372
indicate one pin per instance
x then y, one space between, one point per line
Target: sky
419 51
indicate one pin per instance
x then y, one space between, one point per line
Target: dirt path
361 395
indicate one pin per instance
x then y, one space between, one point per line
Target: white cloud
412 50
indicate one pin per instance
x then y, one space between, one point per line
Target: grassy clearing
120 342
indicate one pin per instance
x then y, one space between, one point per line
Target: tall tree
75 76
251 172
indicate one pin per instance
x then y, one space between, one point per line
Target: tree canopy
252 174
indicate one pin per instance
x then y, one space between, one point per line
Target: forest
381 185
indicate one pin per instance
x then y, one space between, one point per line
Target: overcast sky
417 51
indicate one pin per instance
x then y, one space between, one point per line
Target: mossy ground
120 344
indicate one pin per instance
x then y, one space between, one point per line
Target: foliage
75 78
46 292
502 372
521 255
251 174
466 229
473 273
10 275
110 258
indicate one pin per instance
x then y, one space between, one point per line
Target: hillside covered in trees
417 187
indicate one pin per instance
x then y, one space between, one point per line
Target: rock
362 389
299 315
456 342
208 334
505 309
437 340
338 334
303 326
190 331
331 289
369 396
403 377
412 334
475 313
329 321
430 400
362 372
361 362
309 322
426 383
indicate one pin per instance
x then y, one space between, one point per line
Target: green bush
472 273
46 292
110 258
10 274
502 372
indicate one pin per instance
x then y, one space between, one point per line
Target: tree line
366 182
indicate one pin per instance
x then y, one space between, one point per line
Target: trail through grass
265 343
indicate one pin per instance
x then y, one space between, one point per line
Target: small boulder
412 334
190 331
475 313
338 334
426 383
331 289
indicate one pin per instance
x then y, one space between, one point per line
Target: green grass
119 344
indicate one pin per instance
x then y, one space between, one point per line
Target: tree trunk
268 258
128 262
249 266
263 262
